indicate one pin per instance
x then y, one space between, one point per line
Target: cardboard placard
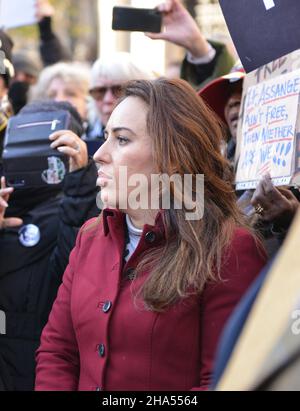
262 30
11 16
253 359
268 138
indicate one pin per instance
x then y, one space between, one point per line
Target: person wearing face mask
38 227
26 75
149 286
14 84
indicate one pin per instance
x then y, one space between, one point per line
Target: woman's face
59 90
126 152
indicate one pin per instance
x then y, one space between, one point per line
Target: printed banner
268 135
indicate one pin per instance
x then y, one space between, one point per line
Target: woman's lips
103 175
103 179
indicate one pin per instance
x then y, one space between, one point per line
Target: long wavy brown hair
186 140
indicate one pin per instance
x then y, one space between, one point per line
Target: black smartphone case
28 159
134 19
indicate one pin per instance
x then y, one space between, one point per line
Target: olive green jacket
198 75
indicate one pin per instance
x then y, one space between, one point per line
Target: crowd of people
103 295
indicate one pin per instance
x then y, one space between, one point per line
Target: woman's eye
122 140
70 94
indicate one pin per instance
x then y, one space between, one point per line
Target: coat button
101 350
150 237
130 274
106 306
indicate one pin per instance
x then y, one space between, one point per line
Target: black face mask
18 95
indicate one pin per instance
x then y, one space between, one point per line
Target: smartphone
136 19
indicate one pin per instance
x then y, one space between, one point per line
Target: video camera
28 159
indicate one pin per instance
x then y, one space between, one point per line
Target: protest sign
262 30
11 15
260 350
269 130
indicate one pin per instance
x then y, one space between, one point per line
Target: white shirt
135 235
204 59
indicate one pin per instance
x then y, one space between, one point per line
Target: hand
68 143
4 197
181 29
279 204
43 9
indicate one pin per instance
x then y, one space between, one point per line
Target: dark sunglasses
98 93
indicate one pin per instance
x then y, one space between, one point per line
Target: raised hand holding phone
180 28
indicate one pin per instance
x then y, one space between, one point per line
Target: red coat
97 338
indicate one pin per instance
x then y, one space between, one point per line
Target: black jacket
30 276
51 49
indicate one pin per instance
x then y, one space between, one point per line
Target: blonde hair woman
65 82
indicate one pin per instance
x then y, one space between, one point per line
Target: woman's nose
102 155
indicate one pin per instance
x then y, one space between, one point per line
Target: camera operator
38 227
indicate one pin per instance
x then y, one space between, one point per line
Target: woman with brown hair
148 289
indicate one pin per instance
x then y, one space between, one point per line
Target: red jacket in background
99 338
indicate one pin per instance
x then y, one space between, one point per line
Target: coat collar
114 220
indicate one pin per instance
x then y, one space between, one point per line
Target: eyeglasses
98 93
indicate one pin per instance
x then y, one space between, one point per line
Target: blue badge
29 235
